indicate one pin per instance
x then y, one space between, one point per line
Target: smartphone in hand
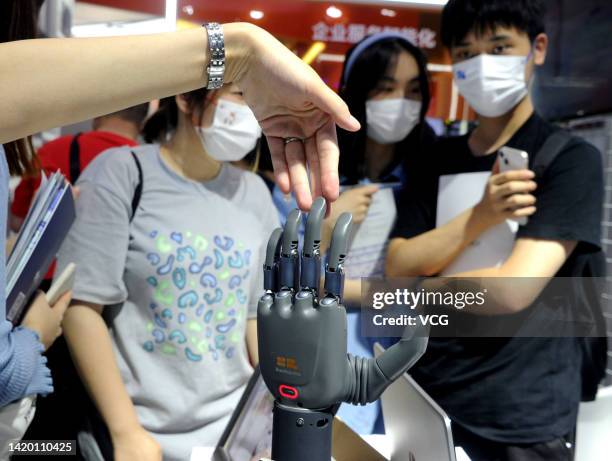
513 159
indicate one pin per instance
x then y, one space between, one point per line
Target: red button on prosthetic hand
289 392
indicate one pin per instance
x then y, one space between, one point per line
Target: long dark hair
165 120
367 70
18 21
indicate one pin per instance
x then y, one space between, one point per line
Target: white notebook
457 193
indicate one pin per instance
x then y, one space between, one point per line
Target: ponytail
164 121
21 158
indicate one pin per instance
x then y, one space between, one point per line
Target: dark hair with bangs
369 68
460 17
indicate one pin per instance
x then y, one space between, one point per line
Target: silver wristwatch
216 45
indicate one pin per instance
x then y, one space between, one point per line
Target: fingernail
355 123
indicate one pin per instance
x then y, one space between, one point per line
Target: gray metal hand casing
303 338
305 362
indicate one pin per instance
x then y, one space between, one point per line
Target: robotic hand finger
303 339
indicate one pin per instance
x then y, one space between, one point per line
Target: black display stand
301 435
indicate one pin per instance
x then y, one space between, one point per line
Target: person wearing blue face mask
510 398
177 274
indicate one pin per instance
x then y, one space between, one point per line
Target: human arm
430 252
98 245
251 341
570 202
90 346
507 195
286 95
570 196
23 370
352 292
515 285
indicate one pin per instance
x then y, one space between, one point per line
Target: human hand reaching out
290 101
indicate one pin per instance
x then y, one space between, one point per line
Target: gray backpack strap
547 154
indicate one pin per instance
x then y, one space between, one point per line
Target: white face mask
391 120
233 133
491 84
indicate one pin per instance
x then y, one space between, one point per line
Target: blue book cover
40 252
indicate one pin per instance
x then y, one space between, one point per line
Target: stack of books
42 234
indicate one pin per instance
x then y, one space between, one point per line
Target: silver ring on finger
292 139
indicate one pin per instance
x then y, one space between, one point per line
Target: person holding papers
70 155
385 84
177 276
23 369
29 323
55 82
509 398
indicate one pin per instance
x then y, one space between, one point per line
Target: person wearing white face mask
492 84
385 85
510 398
233 133
169 243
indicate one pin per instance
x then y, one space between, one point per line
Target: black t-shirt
513 390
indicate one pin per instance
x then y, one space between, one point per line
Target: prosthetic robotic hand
302 340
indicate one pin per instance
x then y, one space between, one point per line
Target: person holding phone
509 398
55 82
